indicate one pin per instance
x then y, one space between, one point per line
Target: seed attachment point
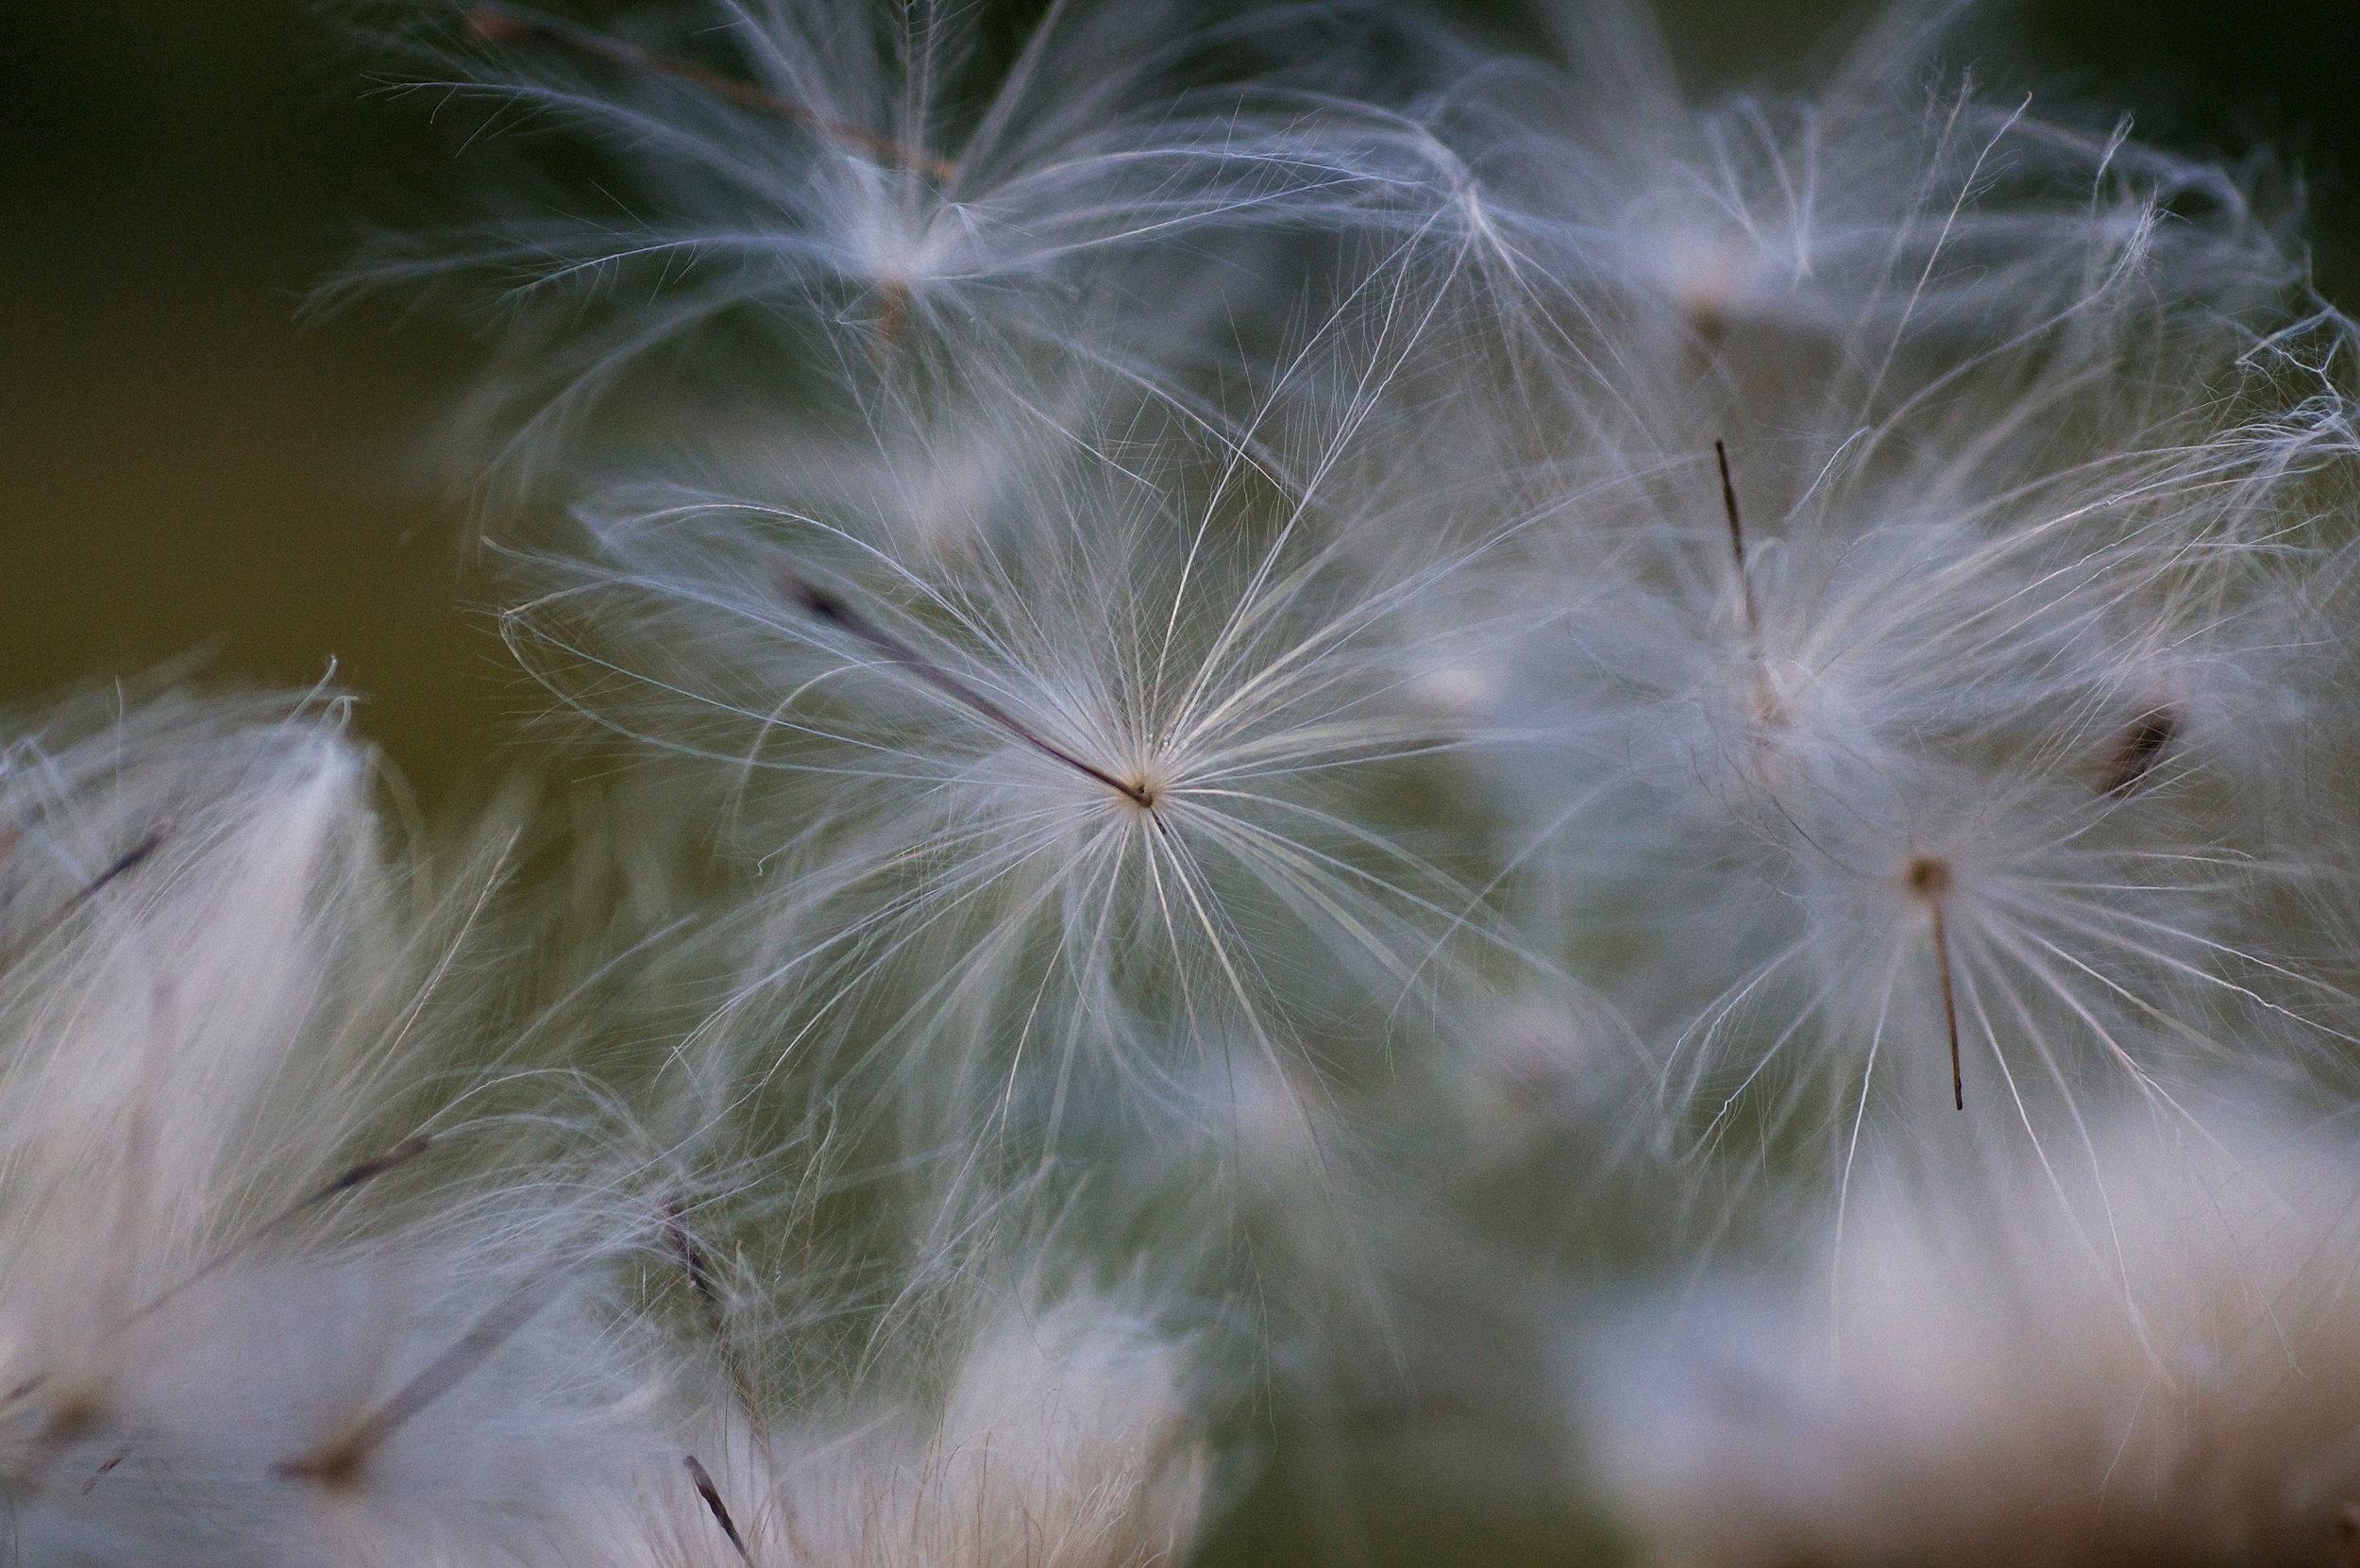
341 1463
2136 748
1928 878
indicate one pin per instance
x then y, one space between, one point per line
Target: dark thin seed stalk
1950 1007
1737 537
368 1169
130 858
820 605
1930 879
697 1265
340 1463
720 1510
112 1460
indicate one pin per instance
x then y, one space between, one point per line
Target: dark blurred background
184 465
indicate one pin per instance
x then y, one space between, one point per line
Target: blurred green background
184 465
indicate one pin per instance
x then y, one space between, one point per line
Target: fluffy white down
198 1331
1066 1439
2153 1362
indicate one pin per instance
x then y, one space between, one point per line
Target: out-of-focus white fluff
1833 250
200 1315
250 1315
901 214
2160 1368
1066 1439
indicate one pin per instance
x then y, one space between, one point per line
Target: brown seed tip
368 1169
696 1265
2137 748
1928 878
112 1460
721 1512
336 1467
71 1418
1709 323
812 598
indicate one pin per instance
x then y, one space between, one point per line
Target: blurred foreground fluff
1357 756
230 1341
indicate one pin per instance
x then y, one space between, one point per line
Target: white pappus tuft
1033 819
